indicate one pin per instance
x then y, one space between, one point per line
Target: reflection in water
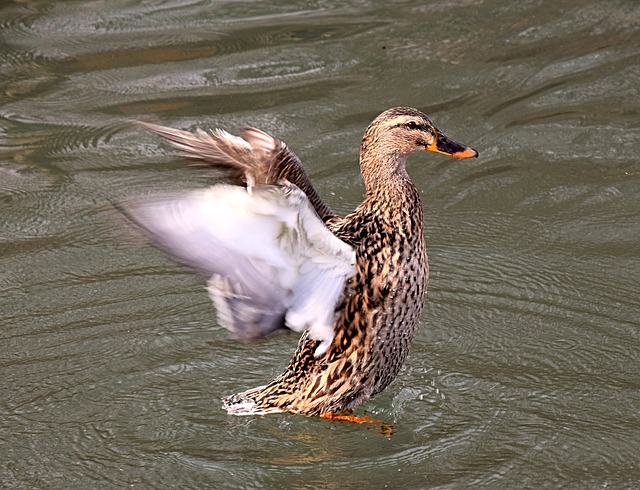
525 370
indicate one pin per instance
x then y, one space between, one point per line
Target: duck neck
383 172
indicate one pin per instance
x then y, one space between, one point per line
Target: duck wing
252 159
270 261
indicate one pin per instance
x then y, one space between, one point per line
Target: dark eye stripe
413 125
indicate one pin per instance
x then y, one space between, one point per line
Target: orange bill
445 145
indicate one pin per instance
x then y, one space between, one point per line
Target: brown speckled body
377 318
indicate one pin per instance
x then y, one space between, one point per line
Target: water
525 370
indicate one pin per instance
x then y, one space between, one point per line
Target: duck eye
412 125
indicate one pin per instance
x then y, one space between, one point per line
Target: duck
276 257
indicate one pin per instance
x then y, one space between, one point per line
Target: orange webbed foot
385 428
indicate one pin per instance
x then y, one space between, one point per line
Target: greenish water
525 372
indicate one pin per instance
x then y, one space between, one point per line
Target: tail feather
245 404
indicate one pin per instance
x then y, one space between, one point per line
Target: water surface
525 370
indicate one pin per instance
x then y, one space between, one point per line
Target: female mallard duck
276 257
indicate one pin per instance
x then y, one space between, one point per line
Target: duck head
396 133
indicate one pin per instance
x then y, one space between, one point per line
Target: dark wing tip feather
255 157
216 149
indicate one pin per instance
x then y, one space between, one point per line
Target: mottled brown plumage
377 314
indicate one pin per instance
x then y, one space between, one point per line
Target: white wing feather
270 260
